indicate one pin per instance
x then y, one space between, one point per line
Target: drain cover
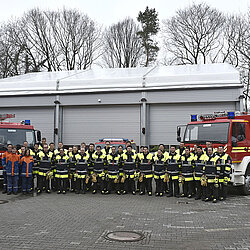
126 236
3 201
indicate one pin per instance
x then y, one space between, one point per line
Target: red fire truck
16 134
232 130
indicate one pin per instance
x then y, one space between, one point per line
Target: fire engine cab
16 134
232 130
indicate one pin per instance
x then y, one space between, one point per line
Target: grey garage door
41 118
163 119
90 123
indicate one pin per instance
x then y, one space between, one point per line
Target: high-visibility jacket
180 151
61 166
12 164
159 166
106 151
57 151
145 164
133 150
113 163
4 159
82 165
26 164
211 170
128 160
165 153
45 162
99 163
224 162
173 166
72 160
35 155
91 160
199 162
187 167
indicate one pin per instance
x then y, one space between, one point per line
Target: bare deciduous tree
191 36
122 46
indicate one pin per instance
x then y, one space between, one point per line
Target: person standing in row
145 162
159 172
129 170
81 171
62 175
26 164
98 176
113 163
12 171
173 170
4 162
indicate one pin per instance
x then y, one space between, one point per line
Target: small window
238 131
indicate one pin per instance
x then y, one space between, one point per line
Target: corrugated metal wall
90 123
164 118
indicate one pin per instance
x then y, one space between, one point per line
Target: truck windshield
200 133
16 137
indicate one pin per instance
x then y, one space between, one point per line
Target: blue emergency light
230 115
27 122
193 118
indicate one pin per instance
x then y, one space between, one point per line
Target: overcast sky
107 12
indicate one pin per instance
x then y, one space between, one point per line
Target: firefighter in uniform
99 176
128 159
53 167
181 150
62 174
34 153
107 149
173 171
45 159
4 158
90 152
211 174
166 154
113 164
159 172
199 160
187 171
145 163
224 162
121 185
81 172
72 168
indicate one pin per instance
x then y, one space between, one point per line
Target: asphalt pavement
82 221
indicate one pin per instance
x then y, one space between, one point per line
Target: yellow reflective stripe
236 161
81 176
238 151
210 180
175 177
148 176
101 175
130 176
239 121
188 178
197 178
42 174
62 176
113 176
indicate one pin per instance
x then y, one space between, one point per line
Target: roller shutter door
90 123
163 119
41 118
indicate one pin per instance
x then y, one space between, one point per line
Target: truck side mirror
38 135
178 138
234 142
178 132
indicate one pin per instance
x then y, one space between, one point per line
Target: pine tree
150 27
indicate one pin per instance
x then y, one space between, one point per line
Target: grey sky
107 12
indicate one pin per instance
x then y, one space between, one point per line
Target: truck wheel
246 186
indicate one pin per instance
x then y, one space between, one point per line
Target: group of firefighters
202 173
